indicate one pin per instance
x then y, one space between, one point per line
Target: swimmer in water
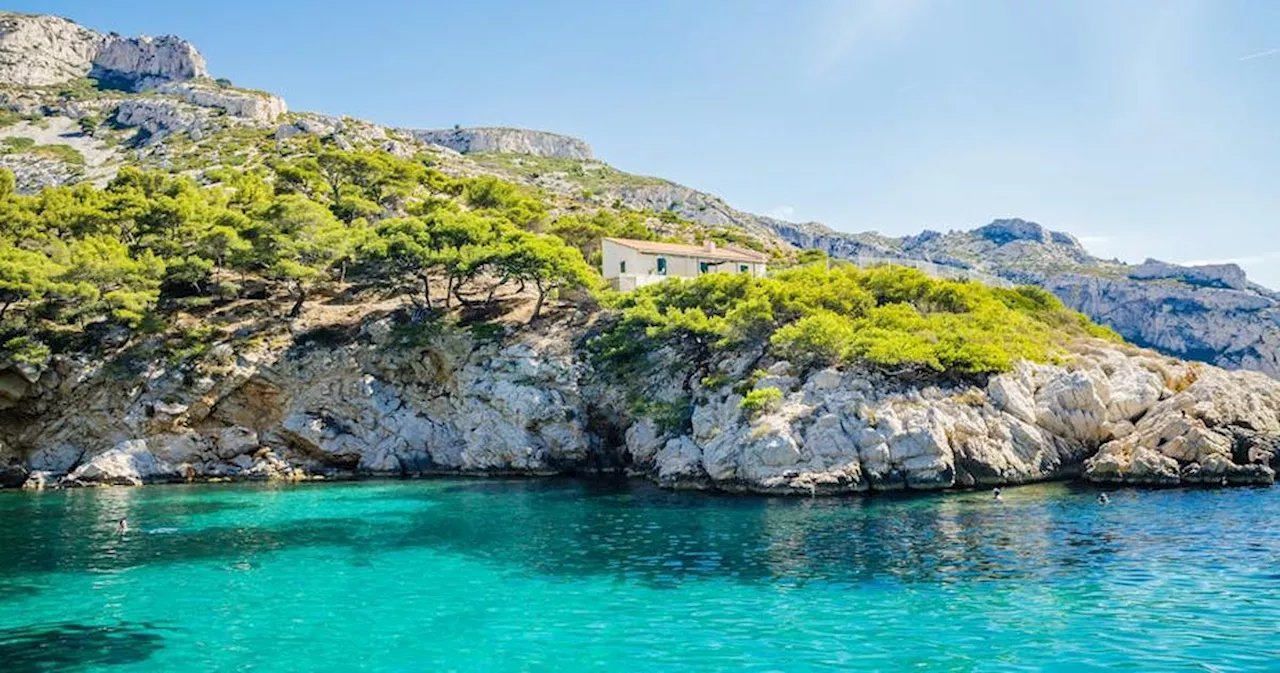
122 526
1103 499
996 495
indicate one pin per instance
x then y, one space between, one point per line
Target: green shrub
891 317
25 350
761 400
18 143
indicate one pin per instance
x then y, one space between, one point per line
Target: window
622 266
662 266
743 268
704 267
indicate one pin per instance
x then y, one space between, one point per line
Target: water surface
543 575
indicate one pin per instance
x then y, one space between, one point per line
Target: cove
566 575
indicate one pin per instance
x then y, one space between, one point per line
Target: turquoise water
491 575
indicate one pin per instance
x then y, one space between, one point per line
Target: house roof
726 253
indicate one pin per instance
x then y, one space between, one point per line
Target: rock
1235 329
679 464
532 403
504 140
13 475
177 449
55 458
37 50
45 50
258 108
162 117
643 441
146 62
129 463
233 441
38 480
1226 276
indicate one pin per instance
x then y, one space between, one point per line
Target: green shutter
662 266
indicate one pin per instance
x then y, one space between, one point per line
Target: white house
629 264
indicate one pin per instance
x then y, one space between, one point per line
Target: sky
1148 128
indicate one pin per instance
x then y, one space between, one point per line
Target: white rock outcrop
255 107
40 50
45 50
505 140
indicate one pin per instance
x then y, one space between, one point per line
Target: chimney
709 245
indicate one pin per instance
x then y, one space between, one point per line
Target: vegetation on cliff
893 317
150 244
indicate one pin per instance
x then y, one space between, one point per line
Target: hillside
197 283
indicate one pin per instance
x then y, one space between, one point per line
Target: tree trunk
426 288
494 289
448 293
297 306
4 309
542 296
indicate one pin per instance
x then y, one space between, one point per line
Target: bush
761 400
891 317
25 350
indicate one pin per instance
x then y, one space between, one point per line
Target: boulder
129 463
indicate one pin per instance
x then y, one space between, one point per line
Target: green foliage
810 256
585 231
761 400
64 153
18 143
187 344
672 417
9 118
24 350
892 317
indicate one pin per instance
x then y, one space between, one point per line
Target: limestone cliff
361 399
39 50
505 140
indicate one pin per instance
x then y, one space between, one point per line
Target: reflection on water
72 647
1168 576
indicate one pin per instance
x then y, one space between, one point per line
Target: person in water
1103 499
122 526
996 495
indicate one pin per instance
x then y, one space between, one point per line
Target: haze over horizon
1145 128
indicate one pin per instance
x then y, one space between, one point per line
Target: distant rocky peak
1225 276
41 50
1009 230
145 62
505 140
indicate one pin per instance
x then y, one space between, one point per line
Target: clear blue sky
1147 127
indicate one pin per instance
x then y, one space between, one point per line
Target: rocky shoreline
530 402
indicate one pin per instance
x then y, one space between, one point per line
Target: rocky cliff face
38 50
504 140
358 400
1207 313
1237 329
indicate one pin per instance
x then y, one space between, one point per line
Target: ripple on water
563 575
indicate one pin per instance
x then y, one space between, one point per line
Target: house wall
679 266
613 254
